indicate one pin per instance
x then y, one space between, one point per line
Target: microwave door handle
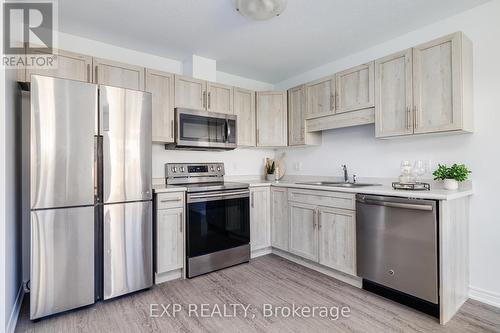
226 131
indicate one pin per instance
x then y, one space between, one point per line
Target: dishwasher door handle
426 207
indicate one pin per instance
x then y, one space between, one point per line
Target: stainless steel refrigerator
91 196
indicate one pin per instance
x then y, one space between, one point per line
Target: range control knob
181 169
174 169
212 168
219 168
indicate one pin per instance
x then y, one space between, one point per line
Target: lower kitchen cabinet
279 218
260 226
169 236
337 239
303 230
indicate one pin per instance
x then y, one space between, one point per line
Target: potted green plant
270 168
451 175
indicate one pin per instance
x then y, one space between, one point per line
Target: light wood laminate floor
268 279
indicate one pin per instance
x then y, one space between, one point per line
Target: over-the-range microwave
203 130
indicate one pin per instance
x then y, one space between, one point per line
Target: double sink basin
338 184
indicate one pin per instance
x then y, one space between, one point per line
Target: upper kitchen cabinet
355 88
219 98
244 109
320 97
68 65
190 93
394 95
297 135
271 119
442 85
161 86
117 74
427 89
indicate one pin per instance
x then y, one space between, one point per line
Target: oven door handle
218 196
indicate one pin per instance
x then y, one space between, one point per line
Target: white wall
367 156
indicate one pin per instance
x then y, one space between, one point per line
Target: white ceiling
308 34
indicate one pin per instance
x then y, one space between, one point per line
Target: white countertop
437 192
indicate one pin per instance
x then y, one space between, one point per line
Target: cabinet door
169 240
161 86
190 93
260 227
296 115
244 109
112 73
279 218
355 88
393 95
320 97
271 119
437 92
69 65
337 239
303 230
219 98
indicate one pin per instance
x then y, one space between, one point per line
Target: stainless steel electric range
217 216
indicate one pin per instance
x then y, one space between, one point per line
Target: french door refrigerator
90 193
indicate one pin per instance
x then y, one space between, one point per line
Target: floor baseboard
14 315
484 296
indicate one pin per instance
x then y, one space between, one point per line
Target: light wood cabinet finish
169 240
320 97
244 109
427 89
190 93
279 218
323 198
219 98
260 224
118 74
355 88
303 230
69 65
271 119
440 70
297 134
337 239
161 86
394 95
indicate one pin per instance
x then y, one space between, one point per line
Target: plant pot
270 177
450 184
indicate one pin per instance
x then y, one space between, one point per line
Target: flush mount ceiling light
260 10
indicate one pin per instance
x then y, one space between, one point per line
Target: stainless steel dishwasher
397 249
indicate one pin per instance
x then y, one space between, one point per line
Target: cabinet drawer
169 200
323 198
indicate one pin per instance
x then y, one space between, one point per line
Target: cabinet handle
96 77
171 129
88 73
171 200
415 117
209 94
252 200
332 101
204 99
408 111
258 137
314 219
319 219
180 222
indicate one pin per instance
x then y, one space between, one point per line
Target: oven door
205 129
217 221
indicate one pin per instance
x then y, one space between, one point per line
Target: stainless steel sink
338 184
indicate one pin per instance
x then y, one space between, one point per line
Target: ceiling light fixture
260 10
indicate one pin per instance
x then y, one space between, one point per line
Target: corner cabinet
244 109
118 74
260 224
436 98
297 134
279 218
161 86
272 119
169 226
